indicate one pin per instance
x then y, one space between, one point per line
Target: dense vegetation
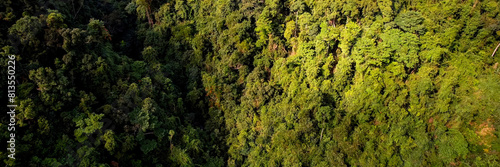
253 82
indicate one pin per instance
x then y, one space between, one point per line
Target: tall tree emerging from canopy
144 10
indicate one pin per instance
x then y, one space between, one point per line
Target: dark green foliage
410 21
253 83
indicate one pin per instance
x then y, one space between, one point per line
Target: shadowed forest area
252 82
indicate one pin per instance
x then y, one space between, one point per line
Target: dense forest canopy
252 82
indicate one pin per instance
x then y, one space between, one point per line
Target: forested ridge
252 82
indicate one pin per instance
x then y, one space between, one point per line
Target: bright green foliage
452 145
87 126
347 36
263 28
253 83
109 139
55 20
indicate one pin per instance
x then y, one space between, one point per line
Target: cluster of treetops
252 82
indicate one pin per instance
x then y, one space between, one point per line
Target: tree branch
495 50
321 137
